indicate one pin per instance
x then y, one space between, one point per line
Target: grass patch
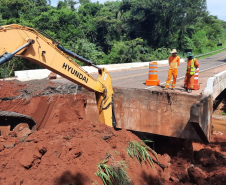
205 56
205 51
140 150
150 141
113 174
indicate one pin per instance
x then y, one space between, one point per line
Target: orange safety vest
193 69
173 65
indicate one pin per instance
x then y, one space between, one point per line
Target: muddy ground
219 115
67 148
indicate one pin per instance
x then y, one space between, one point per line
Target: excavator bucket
9 121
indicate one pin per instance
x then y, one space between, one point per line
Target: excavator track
9 120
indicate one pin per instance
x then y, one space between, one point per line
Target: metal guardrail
210 52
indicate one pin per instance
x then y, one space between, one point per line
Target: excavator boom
28 43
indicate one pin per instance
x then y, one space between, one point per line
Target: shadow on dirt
220 98
224 106
150 180
163 144
209 159
68 178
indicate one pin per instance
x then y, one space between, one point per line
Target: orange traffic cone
196 79
153 76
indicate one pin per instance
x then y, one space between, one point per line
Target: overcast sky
215 7
218 8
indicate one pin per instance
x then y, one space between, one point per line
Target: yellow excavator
40 48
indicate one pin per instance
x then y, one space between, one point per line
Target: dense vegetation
120 31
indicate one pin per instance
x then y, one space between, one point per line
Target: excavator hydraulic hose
77 57
8 56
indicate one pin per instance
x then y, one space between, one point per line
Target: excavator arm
28 43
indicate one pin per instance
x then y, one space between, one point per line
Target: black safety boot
189 91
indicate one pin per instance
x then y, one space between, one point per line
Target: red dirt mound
66 148
196 163
69 153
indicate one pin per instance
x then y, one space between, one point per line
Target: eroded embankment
49 110
67 148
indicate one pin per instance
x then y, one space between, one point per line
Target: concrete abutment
159 112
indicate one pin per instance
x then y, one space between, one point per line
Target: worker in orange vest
192 64
174 62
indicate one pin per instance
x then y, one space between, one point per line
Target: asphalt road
135 78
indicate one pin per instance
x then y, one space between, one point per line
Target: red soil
67 148
49 110
11 88
67 153
16 88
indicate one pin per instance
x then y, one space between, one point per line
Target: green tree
119 31
199 39
125 52
161 23
12 8
88 50
84 1
109 25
